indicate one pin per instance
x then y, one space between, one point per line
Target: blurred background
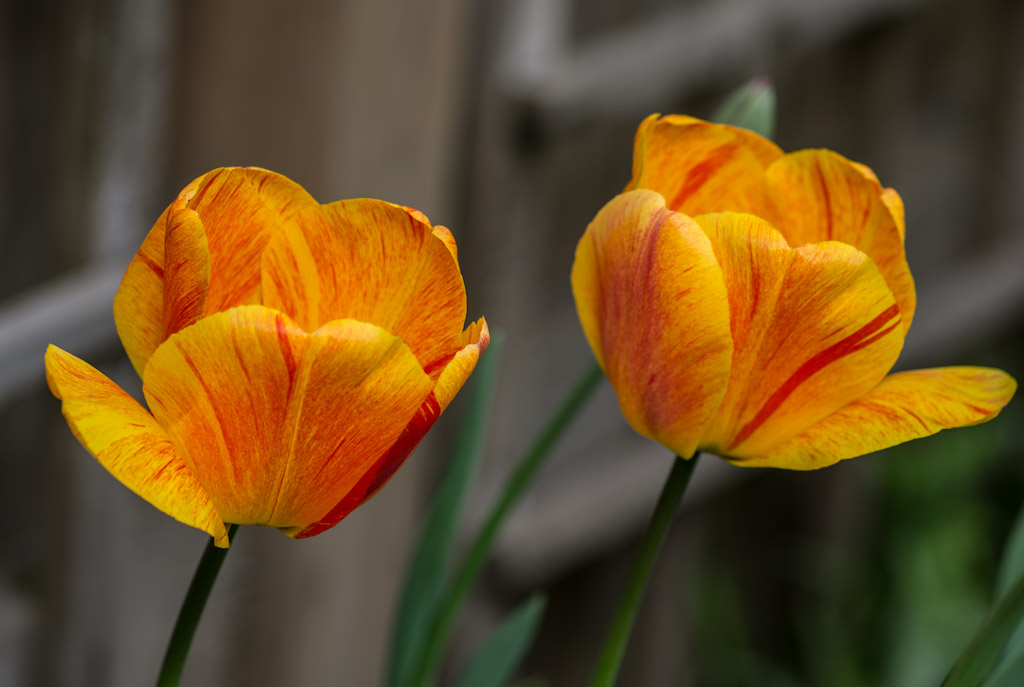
511 122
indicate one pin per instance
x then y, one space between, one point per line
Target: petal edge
905 406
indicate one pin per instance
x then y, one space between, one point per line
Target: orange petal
905 406
279 424
129 443
819 195
238 209
815 328
451 380
702 167
241 208
370 261
652 302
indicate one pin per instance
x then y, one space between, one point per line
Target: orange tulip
292 354
750 303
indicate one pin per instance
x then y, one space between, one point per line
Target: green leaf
515 486
751 106
1009 671
981 655
425 579
497 659
1012 564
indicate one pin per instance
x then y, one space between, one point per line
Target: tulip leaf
995 652
496 660
751 106
1009 672
426 577
1012 564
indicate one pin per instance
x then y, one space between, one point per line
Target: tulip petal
474 342
702 167
815 328
241 208
652 302
893 201
139 303
451 380
129 443
238 209
905 406
819 195
278 424
370 261
186 271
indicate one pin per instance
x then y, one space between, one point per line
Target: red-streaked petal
452 378
241 208
278 424
129 443
238 208
371 261
702 167
819 195
186 271
652 302
905 406
815 328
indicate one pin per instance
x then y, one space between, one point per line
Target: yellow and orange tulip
292 354
751 303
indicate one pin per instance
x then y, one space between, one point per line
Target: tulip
292 354
751 304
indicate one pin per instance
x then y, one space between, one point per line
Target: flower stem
618 635
517 484
191 610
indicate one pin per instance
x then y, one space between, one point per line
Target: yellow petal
702 167
652 302
238 209
280 425
819 195
815 328
905 406
129 443
370 261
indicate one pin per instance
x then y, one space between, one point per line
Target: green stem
191 610
618 635
515 487
978 660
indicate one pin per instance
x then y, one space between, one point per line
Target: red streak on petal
284 343
382 471
148 262
863 337
827 199
703 171
195 200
